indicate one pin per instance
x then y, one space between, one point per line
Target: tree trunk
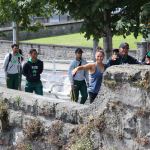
107 39
15 33
107 44
148 39
95 45
16 41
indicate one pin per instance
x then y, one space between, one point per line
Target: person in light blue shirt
80 80
96 70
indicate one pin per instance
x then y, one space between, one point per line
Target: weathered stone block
69 112
15 118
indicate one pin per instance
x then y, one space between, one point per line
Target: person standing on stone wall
12 67
96 70
80 80
32 70
123 57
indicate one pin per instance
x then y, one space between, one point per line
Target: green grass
78 39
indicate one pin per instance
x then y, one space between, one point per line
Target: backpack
10 56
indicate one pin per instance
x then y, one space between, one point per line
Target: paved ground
51 66
57 83
56 66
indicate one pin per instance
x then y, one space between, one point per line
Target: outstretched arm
87 67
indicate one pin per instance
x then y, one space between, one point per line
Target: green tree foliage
21 11
145 19
98 15
145 14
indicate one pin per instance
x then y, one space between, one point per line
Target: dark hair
20 52
99 49
78 50
116 50
14 45
124 45
32 50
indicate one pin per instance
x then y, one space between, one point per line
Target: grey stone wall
46 52
49 52
118 119
46 31
124 101
25 108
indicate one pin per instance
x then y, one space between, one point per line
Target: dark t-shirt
122 60
32 70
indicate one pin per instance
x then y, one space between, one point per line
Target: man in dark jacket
32 70
122 57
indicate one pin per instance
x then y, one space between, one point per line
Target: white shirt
14 65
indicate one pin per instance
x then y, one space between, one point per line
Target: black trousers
92 96
80 86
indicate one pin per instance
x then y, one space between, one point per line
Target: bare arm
87 67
